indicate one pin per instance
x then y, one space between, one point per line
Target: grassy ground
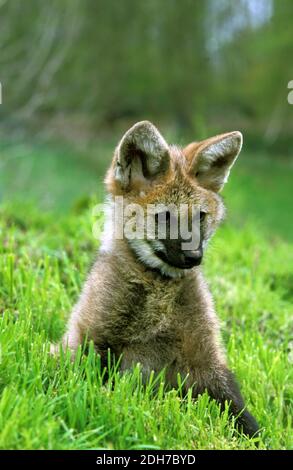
44 257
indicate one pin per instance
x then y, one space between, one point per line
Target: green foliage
218 62
55 176
49 403
258 193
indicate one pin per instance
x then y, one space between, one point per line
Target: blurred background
76 74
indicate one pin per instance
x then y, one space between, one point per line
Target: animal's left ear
212 159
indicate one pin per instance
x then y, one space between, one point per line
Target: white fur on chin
147 256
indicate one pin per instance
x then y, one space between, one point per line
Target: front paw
248 424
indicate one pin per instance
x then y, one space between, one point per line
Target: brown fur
148 317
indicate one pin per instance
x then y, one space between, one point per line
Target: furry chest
161 314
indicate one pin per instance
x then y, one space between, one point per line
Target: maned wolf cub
145 298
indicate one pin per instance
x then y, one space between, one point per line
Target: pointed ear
212 159
141 156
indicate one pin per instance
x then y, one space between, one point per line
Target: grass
44 257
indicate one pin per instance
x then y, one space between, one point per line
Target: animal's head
149 173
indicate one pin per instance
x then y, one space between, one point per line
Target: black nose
192 258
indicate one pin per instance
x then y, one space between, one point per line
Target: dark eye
202 215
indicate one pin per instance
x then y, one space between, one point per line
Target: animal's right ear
141 156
